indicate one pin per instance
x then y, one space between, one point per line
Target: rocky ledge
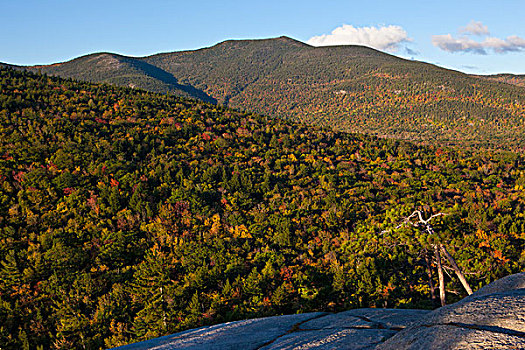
491 318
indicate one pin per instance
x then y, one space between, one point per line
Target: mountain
348 88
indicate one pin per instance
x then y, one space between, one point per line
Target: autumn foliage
127 215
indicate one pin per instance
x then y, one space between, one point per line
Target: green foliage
126 215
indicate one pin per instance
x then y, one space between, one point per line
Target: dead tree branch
416 220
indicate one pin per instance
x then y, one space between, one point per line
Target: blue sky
42 32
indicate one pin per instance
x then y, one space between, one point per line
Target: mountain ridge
347 88
120 70
513 79
282 39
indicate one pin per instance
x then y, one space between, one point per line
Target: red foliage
68 191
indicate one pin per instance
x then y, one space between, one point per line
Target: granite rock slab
328 339
354 329
246 335
449 337
393 319
492 318
507 283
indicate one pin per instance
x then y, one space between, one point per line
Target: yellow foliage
240 231
62 207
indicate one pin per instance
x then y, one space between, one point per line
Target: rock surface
491 318
354 329
512 282
247 334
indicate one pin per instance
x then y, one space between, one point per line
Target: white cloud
512 43
475 28
382 38
465 44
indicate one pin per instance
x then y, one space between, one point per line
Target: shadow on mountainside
170 80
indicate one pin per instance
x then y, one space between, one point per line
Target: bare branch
419 215
453 291
436 215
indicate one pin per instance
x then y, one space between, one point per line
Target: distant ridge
513 79
347 88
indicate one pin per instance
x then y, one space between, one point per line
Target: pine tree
151 290
10 276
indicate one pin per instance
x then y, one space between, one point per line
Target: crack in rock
492 329
293 329
377 324
347 327
373 325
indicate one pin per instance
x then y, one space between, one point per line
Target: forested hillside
347 88
518 80
126 215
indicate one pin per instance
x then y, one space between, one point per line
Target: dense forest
514 79
346 88
127 215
